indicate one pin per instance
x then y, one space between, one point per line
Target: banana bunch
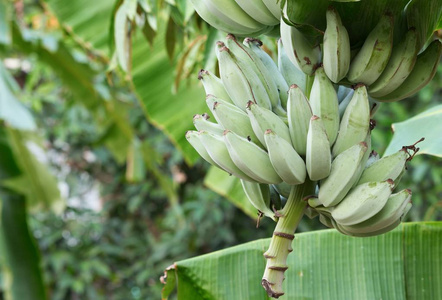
390 72
270 135
240 17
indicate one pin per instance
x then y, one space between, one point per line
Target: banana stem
281 243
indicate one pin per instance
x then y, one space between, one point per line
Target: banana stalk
281 243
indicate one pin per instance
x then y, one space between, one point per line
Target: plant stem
281 243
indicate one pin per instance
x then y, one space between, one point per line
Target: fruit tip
209 96
314 117
294 86
215 104
220 44
231 36
390 181
408 191
224 48
363 144
249 104
253 40
201 73
268 131
205 116
197 116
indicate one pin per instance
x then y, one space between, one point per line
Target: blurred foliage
154 208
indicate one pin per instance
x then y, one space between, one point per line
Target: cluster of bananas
240 17
271 136
390 73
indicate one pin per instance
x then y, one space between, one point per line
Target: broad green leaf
89 20
403 264
153 78
12 111
21 277
229 187
426 124
35 181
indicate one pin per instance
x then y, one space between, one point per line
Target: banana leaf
402 264
426 124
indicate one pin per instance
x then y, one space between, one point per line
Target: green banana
299 114
194 139
213 85
201 123
235 23
251 159
272 69
318 155
254 69
336 48
399 66
286 162
324 103
231 117
242 84
263 119
423 72
355 122
298 49
291 74
259 195
217 150
389 214
274 7
326 221
345 171
390 166
258 11
373 57
362 202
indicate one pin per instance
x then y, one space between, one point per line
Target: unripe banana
298 49
263 119
291 74
242 84
274 7
272 70
217 150
324 103
362 203
232 118
286 162
336 52
345 171
201 123
423 72
318 156
299 114
373 57
389 214
390 166
355 122
251 159
194 139
259 195
399 66
326 221
213 85
253 67
258 11
343 92
229 18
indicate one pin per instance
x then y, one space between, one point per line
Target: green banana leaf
361 17
426 124
20 259
403 264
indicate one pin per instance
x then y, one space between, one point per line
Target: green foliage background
93 124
